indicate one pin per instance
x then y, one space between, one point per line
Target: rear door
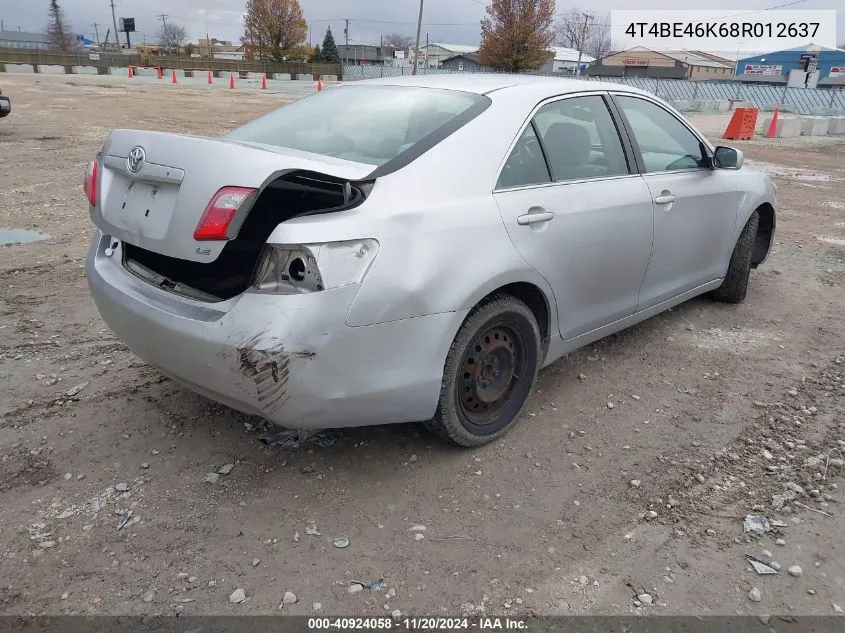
695 207
577 212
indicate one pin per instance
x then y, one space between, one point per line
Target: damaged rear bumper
291 359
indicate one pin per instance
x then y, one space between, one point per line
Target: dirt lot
716 408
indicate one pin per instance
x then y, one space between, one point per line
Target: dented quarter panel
297 364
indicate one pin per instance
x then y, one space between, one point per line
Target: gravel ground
718 412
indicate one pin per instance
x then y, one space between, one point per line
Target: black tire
735 285
496 351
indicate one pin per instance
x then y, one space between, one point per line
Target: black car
5 105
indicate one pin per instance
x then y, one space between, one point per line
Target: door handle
666 198
532 218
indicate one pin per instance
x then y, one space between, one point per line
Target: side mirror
727 158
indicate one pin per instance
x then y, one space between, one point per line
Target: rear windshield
366 124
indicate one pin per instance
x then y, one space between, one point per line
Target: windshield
365 124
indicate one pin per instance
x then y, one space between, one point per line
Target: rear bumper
291 359
5 106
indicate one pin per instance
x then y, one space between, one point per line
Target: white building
565 60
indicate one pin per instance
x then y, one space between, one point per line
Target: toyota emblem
136 159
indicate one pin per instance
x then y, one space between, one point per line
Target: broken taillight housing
291 269
91 182
218 215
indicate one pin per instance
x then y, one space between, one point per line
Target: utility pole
346 48
163 18
419 32
114 21
583 39
96 32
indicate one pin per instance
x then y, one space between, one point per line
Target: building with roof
467 62
25 40
808 66
564 60
366 54
645 62
433 55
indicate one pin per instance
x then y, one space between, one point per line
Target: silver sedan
414 249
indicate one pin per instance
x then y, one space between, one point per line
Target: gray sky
452 21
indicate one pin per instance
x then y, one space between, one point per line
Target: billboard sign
762 69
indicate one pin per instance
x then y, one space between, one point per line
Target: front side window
364 124
665 143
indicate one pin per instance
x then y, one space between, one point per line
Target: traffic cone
131 75
264 82
210 77
231 81
319 85
159 74
773 126
173 77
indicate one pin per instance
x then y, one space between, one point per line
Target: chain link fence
799 100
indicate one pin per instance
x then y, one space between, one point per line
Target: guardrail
104 61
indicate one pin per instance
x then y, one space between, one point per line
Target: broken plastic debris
75 390
311 530
341 543
760 566
375 585
324 439
756 524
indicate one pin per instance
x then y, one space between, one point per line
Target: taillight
90 183
219 213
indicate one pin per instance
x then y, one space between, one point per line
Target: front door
695 207
577 213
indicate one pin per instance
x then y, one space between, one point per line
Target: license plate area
141 208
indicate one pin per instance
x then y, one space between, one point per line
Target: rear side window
580 139
366 124
577 140
526 164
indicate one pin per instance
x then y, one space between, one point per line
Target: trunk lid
154 186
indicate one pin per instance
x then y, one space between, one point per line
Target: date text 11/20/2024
417 624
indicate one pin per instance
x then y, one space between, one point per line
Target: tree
171 36
584 31
189 49
58 30
330 53
516 34
274 27
398 41
317 56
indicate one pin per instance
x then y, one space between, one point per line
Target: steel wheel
491 369
489 372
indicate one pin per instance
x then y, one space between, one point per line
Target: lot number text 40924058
722 29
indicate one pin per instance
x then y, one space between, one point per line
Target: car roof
485 83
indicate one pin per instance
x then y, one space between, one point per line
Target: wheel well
536 301
763 241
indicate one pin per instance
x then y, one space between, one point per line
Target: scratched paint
267 364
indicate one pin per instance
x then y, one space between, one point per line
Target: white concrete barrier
722 105
787 127
119 70
329 77
20 68
51 69
836 125
814 125
180 74
304 77
281 76
84 70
